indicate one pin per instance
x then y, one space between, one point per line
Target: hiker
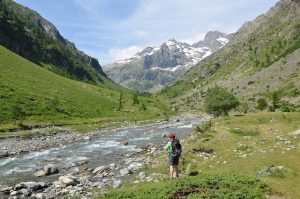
174 149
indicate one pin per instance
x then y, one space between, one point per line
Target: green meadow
227 163
31 95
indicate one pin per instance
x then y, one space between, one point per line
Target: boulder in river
81 163
33 186
125 143
50 169
6 189
40 173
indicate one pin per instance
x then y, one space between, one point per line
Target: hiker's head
171 136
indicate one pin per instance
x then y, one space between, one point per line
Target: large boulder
66 180
99 169
6 189
117 184
40 173
50 169
32 186
124 172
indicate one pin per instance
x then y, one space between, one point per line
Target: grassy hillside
31 94
244 156
28 34
263 57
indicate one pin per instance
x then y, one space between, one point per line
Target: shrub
286 107
219 102
262 104
204 127
244 108
243 132
275 100
201 186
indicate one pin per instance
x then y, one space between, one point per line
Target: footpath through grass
259 159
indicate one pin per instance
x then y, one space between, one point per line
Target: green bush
219 102
243 132
262 104
286 107
203 128
204 186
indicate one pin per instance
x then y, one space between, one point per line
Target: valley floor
240 156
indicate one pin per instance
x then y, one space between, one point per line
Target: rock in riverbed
124 172
67 180
50 169
40 173
100 169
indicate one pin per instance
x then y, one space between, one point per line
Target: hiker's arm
167 146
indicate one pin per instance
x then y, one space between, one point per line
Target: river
105 149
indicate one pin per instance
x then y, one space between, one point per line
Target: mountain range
261 61
155 67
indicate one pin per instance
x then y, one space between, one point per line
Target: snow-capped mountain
156 67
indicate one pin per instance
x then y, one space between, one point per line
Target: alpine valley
156 67
45 79
67 130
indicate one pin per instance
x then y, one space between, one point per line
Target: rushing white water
101 151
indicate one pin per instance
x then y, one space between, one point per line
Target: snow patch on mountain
223 41
173 69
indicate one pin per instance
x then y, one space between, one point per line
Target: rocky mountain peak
160 66
214 40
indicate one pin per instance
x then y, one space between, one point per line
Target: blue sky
111 30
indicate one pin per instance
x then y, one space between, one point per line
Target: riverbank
21 142
255 155
85 182
85 178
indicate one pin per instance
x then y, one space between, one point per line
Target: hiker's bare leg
176 171
171 171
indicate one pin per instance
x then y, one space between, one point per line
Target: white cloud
91 6
140 33
120 54
195 38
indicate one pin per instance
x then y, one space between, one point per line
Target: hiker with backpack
174 149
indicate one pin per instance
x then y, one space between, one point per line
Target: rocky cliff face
27 33
155 67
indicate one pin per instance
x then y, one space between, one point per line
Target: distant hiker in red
174 149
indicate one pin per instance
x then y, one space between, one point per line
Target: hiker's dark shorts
173 160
